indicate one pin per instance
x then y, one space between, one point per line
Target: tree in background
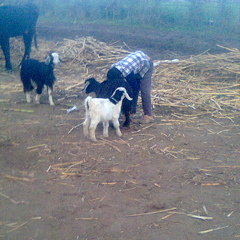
196 13
224 14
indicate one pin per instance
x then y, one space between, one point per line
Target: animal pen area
176 178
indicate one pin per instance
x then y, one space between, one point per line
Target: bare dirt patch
159 44
154 183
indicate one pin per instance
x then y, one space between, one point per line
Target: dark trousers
135 85
145 86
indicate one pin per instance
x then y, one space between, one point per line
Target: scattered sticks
204 82
75 127
12 200
149 213
211 230
200 217
18 179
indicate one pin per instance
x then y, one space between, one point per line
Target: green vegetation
222 15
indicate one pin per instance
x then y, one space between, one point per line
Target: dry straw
204 82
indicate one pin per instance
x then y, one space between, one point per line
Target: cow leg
27 39
6 52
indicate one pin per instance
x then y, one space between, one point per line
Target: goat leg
92 129
50 97
116 125
28 97
86 127
105 128
37 98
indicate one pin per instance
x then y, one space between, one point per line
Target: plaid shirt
137 62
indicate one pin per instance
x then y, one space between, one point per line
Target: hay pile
205 82
83 58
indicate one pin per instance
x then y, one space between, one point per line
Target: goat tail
35 40
87 102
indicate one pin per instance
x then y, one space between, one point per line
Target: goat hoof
93 139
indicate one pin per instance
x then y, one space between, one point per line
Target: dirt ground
177 178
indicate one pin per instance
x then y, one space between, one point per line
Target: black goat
42 73
106 88
16 21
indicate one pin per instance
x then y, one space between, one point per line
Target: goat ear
127 96
48 60
86 85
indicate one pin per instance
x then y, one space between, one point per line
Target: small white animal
103 110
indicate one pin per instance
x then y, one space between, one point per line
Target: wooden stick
74 127
211 230
13 201
18 179
169 215
86 218
110 144
14 229
200 217
148 213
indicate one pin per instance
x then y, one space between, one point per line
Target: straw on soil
205 82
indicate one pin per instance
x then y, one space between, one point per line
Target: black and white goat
41 73
106 88
103 110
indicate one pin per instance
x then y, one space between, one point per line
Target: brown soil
149 184
158 44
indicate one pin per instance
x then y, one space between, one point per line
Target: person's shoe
146 119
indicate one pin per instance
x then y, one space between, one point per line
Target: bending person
137 69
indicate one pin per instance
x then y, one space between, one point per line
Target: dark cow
15 21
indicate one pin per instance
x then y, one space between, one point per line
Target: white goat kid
103 110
